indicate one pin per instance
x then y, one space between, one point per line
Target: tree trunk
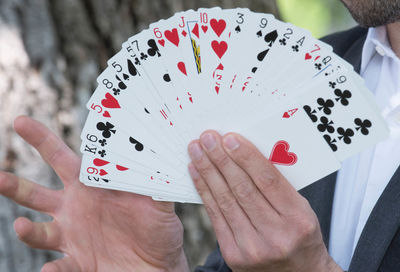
50 55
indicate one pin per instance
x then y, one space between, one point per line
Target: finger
66 264
52 149
221 228
229 207
29 194
42 235
275 188
246 193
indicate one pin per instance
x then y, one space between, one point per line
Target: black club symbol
331 142
282 41
326 125
325 105
137 61
116 91
295 48
343 96
102 153
143 56
311 113
363 125
107 129
318 66
153 48
103 142
332 84
345 134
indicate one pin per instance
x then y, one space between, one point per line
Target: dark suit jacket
378 248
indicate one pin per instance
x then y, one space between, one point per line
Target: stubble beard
373 13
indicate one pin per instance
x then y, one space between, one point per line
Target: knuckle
244 190
246 154
205 168
307 227
280 250
226 202
222 160
201 187
266 179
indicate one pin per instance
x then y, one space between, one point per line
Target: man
261 222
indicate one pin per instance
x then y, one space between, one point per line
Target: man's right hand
98 230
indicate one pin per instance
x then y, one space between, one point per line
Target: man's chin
373 13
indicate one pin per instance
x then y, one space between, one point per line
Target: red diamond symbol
184 33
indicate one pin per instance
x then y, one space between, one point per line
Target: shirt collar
376 42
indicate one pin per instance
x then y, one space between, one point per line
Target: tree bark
50 55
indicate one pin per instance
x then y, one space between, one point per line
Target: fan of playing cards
229 70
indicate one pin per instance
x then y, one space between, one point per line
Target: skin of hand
261 222
98 230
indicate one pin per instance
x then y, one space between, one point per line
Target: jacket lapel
353 55
379 230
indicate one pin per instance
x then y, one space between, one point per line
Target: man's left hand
261 222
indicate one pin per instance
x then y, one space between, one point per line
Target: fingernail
208 140
193 172
230 142
195 151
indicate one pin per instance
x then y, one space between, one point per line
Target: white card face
294 146
340 111
229 70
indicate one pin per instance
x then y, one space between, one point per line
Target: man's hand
98 230
261 222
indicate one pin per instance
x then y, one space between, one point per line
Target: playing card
293 146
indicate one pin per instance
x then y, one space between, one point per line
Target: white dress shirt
363 177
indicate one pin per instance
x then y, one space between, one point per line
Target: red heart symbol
204 28
280 154
162 42
110 101
121 168
218 26
219 48
308 56
182 67
286 115
195 30
100 162
172 36
106 114
103 172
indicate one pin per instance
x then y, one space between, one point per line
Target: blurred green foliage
321 17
